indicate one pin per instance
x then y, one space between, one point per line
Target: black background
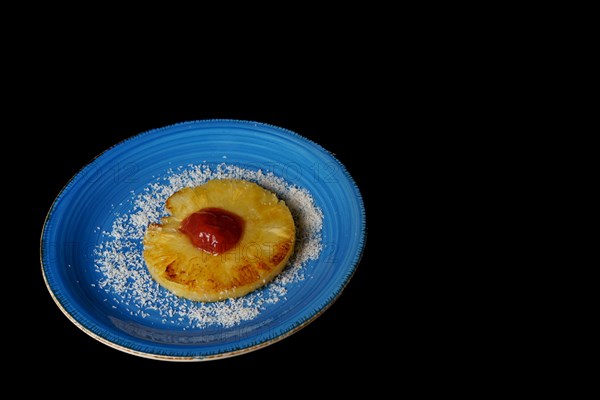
79 124
406 108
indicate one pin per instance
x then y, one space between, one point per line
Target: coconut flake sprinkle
123 275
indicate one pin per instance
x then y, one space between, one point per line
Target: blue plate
103 191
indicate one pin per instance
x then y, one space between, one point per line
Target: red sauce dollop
213 230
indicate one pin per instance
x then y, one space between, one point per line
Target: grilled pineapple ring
263 250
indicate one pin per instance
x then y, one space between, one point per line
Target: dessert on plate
222 239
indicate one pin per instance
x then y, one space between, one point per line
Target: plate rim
226 353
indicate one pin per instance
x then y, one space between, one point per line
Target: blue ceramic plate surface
103 189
